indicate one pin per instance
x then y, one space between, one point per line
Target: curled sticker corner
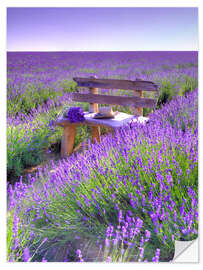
186 251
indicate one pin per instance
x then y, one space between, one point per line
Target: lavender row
49 74
135 193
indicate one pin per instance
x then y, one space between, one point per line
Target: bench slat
138 85
115 100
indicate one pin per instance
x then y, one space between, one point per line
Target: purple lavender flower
26 254
147 235
115 241
157 255
79 254
109 231
107 242
141 252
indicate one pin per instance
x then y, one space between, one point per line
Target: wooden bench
137 102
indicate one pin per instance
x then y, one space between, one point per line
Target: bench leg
67 140
109 129
96 134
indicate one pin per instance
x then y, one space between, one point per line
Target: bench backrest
138 86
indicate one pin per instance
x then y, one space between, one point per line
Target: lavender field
125 200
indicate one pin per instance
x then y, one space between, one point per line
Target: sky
102 29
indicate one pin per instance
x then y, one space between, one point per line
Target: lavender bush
126 199
39 78
39 83
135 193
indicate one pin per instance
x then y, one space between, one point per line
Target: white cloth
119 120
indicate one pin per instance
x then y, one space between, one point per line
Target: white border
3 133
74 3
101 3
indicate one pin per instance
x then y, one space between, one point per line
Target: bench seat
121 119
